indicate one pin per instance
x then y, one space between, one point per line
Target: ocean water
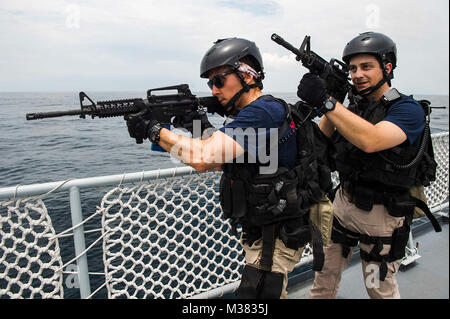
57 149
69 147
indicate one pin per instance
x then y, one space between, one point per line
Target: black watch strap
328 105
154 133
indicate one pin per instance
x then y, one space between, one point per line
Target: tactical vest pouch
364 198
238 198
295 234
225 196
273 198
400 205
427 167
399 240
321 215
325 181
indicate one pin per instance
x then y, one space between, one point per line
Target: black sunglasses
218 80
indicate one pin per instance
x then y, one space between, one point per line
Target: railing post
411 252
79 242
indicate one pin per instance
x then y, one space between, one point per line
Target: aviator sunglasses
218 80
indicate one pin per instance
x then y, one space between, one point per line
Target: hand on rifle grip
187 121
139 126
312 90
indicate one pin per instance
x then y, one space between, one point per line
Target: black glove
139 126
313 90
187 121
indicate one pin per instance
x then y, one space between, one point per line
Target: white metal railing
160 231
13 195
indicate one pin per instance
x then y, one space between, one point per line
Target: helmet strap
230 108
386 78
371 89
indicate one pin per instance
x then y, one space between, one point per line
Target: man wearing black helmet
256 192
377 138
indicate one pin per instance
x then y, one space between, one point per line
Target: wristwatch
328 105
154 133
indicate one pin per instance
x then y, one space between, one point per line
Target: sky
117 45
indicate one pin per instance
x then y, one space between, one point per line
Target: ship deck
425 278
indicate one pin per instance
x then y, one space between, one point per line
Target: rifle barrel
276 38
42 115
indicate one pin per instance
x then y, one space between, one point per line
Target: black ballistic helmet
378 45
373 43
229 52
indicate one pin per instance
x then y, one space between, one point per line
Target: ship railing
154 234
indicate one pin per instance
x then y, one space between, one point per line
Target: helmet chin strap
371 89
386 77
230 108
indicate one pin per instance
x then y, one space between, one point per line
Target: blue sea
57 149
69 147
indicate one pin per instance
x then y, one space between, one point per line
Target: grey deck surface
426 278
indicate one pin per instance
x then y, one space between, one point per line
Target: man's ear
388 67
248 78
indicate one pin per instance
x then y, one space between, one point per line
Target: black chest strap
268 240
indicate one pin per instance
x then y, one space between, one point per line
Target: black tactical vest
278 204
386 178
387 170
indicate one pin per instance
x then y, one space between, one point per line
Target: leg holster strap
343 236
268 239
349 239
375 255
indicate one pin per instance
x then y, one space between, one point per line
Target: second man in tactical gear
379 140
258 192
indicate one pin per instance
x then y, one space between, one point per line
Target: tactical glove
187 121
313 90
139 126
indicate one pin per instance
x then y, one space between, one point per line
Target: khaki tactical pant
377 222
284 259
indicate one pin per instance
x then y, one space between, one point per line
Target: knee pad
260 284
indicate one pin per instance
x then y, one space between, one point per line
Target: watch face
329 105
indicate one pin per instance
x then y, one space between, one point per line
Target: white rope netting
29 252
437 192
168 239
161 239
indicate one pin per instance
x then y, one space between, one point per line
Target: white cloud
132 45
278 62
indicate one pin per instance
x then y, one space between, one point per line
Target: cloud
278 62
132 45
255 7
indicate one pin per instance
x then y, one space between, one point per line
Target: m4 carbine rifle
335 73
164 108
